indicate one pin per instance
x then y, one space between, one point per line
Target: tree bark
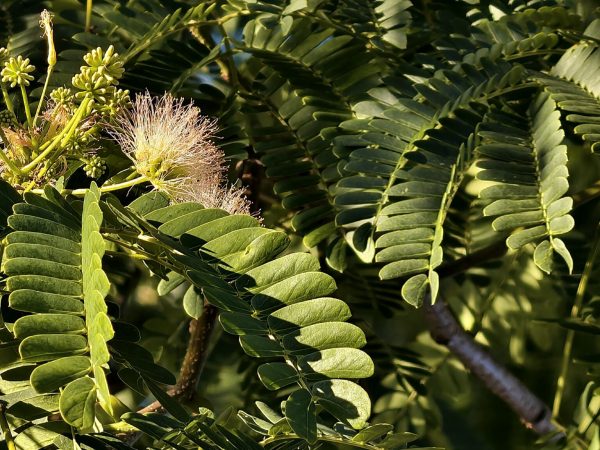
445 330
194 359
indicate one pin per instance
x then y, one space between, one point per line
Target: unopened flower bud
46 25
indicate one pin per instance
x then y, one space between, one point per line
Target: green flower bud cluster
94 166
62 96
7 119
107 65
17 71
115 104
56 170
82 140
99 78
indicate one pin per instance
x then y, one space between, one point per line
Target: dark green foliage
397 150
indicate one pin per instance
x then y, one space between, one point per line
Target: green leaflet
48 324
53 260
55 374
536 210
46 347
193 303
310 312
77 402
277 375
300 412
346 399
336 363
373 432
40 436
381 22
324 335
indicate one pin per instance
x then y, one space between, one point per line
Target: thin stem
132 255
233 76
135 51
106 188
41 101
114 187
88 16
575 310
8 437
209 45
136 250
26 107
226 18
7 100
491 252
543 52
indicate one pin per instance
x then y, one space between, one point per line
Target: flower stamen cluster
171 144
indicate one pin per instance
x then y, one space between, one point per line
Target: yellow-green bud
62 96
46 25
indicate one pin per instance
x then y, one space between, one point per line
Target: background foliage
398 151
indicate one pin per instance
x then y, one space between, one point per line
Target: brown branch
445 330
194 359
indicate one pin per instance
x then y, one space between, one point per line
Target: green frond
17 21
141 27
136 32
300 178
529 168
310 84
170 65
408 165
278 304
573 85
382 23
60 332
269 431
57 279
531 35
174 22
550 15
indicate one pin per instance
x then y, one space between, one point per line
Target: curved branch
445 330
